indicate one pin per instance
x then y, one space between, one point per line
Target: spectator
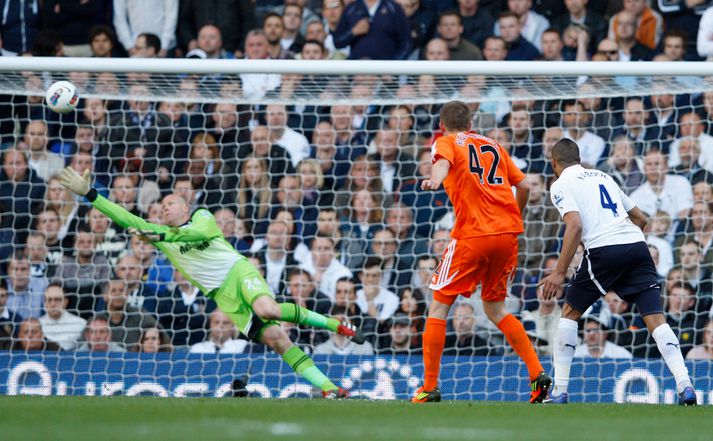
131 20
302 291
591 146
258 85
532 24
44 162
373 299
184 312
689 153
274 27
22 298
126 322
519 49
364 220
277 256
675 43
477 22
552 46
690 125
221 337
704 44
399 219
546 318
450 29
704 351
308 17
58 325
413 304
428 206
694 273
233 19
292 40
464 340
440 240
629 48
132 272
47 223
421 20
635 127
595 345
31 338
578 14
20 26
340 345
83 274
681 315
495 49
436 50
233 229
98 336
332 13
154 340
9 320
71 21
106 240
396 165
323 266
664 112
649 25
623 164
541 223
346 298
399 338
147 46
47 43
378 30
672 194
279 162
102 41
282 135
334 166
425 266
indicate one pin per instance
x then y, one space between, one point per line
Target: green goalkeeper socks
304 366
297 314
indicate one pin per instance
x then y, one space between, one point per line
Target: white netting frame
676 85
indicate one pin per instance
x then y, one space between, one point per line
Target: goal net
313 171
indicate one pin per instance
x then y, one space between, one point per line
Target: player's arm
522 194
439 172
552 284
637 216
80 185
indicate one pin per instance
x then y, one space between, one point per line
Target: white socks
565 344
668 345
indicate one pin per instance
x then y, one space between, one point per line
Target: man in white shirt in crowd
590 145
596 331
295 143
532 24
340 345
690 125
661 191
372 298
256 85
58 325
324 268
221 337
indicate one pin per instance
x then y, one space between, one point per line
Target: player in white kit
616 258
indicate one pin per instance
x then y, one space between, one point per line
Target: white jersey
601 204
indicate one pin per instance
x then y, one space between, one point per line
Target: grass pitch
159 419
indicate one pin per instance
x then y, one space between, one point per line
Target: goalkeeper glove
72 181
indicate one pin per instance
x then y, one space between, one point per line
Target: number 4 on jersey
606 201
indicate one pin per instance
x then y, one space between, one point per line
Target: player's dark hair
152 40
455 116
566 152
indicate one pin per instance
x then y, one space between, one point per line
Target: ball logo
55 97
74 100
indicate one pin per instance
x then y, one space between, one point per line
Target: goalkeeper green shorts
236 295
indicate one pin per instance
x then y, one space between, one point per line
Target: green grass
159 419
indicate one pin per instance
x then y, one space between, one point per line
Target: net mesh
282 160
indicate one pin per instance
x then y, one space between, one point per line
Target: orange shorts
486 260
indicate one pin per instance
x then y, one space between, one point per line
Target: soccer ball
62 97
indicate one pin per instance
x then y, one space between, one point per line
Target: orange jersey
479 185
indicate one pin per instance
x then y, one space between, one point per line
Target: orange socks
434 338
516 336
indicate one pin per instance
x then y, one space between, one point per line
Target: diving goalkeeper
196 247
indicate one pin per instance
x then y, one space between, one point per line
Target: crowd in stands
325 200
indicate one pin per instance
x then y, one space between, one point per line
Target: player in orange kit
478 176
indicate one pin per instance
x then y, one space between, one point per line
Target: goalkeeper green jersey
197 248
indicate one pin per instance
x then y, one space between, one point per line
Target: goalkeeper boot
687 397
423 396
349 330
539 387
559 399
336 394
